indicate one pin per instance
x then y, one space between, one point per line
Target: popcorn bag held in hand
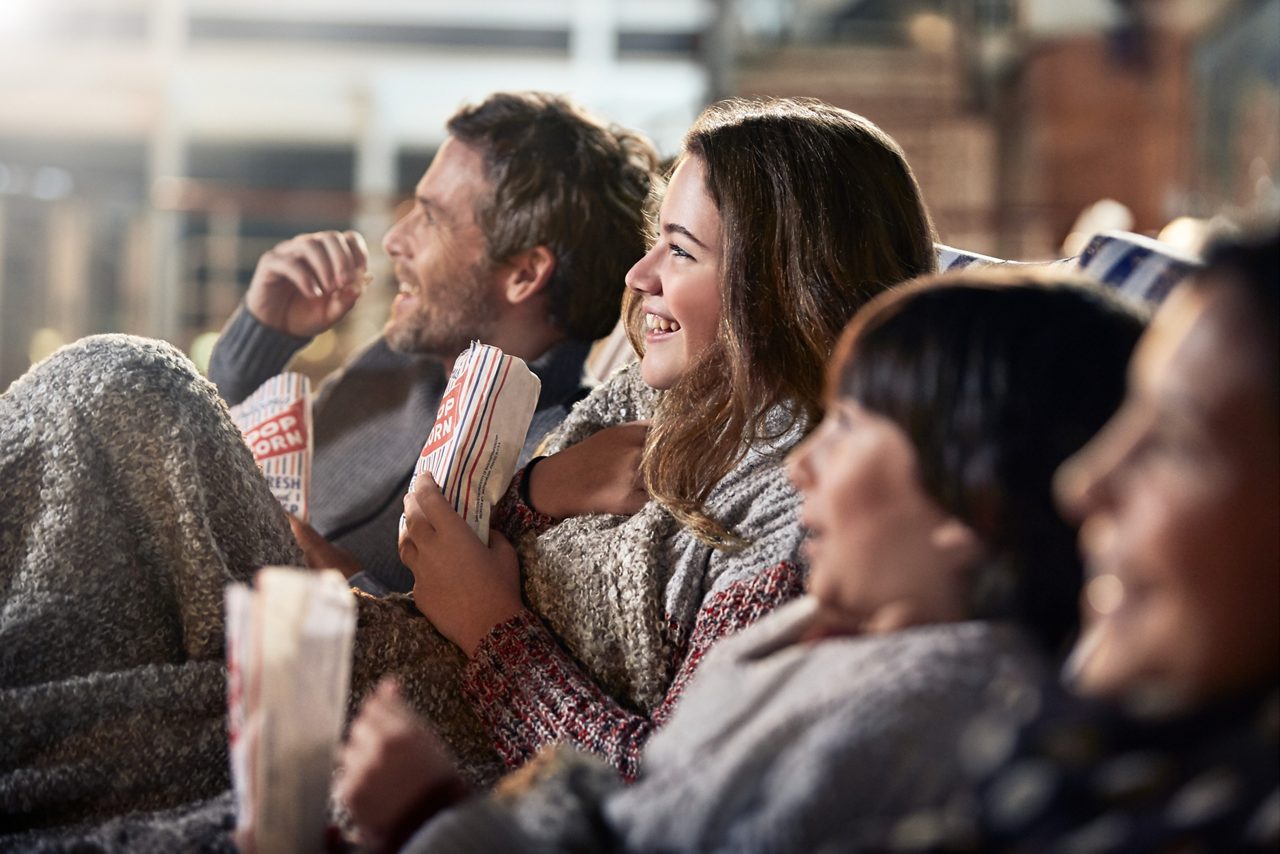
288 672
479 431
276 423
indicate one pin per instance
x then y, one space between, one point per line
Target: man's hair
996 377
560 178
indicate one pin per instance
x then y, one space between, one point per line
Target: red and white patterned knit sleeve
513 516
530 692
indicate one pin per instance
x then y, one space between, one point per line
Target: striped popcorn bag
480 428
276 423
289 640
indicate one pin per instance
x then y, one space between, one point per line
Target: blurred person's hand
600 474
462 586
319 553
395 772
308 283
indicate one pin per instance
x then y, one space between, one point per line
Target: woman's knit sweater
778 745
621 610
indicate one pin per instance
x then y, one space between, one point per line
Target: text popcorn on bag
288 673
480 428
276 423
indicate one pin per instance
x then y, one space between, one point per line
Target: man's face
1180 501
448 291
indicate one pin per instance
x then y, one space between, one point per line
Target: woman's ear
527 274
955 539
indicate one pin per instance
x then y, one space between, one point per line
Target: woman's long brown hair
819 212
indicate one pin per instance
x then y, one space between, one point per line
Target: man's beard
444 323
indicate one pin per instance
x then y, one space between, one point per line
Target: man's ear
527 273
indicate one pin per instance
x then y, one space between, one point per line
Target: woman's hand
319 553
600 474
395 772
464 587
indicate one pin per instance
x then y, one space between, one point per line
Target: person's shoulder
627 393
941 657
622 398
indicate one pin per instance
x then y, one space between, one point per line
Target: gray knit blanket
128 500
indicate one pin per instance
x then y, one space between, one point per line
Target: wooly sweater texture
621 593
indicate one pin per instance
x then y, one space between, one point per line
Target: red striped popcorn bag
276 423
479 430
288 673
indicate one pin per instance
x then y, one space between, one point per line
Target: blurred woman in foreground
1180 502
942 583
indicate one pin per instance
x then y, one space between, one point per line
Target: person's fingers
418 524
434 507
340 259
360 739
389 689
359 250
293 271
408 551
429 496
311 251
500 544
307 536
340 302
382 720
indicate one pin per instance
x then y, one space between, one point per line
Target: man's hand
319 553
600 474
305 285
390 764
464 587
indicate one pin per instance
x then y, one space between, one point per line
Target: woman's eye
678 252
1165 445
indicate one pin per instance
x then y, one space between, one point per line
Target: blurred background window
150 150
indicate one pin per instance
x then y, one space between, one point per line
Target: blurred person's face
679 279
448 291
882 553
1180 501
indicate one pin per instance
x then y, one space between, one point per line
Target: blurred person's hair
819 212
560 178
1249 264
997 377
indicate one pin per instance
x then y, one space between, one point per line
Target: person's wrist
537 495
265 311
525 482
493 619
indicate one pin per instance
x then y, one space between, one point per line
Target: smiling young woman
818 212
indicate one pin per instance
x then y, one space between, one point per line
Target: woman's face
880 549
1180 501
679 279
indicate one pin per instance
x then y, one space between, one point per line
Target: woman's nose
643 275
798 469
